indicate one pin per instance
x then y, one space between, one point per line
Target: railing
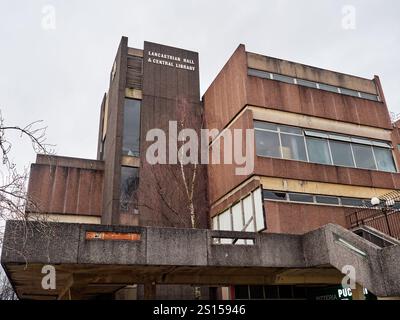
383 217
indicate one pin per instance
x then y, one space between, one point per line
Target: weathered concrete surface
190 256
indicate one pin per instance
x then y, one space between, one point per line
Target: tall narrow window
128 192
131 134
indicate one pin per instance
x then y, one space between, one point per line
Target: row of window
316 199
280 141
312 84
245 215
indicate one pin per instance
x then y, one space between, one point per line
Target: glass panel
349 92
129 186
290 129
318 151
384 159
131 138
306 83
315 134
339 137
301 197
381 144
327 200
259 73
271 292
282 78
248 213
327 87
352 202
369 96
256 292
341 153
363 156
259 210
267 144
225 221
265 125
361 141
293 147
242 292
215 223
237 218
274 195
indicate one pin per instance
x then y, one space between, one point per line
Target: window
327 200
349 92
245 215
354 202
384 159
128 192
267 144
288 142
259 73
318 150
312 84
328 87
306 83
363 156
274 195
283 78
300 197
341 153
369 96
293 147
131 131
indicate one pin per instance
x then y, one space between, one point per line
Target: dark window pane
288 129
306 83
349 92
301 197
363 156
318 150
258 73
384 159
265 125
282 78
241 292
341 153
285 292
274 195
271 292
293 147
327 200
131 138
352 202
129 186
369 96
327 87
267 144
256 292
299 292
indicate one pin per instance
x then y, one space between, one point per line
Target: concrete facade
156 249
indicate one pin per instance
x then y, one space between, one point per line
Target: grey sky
60 75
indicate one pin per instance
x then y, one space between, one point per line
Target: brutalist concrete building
321 147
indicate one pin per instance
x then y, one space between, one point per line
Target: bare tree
6 290
13 185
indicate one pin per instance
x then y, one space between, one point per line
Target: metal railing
384 217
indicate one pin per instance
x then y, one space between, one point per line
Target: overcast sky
60 74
